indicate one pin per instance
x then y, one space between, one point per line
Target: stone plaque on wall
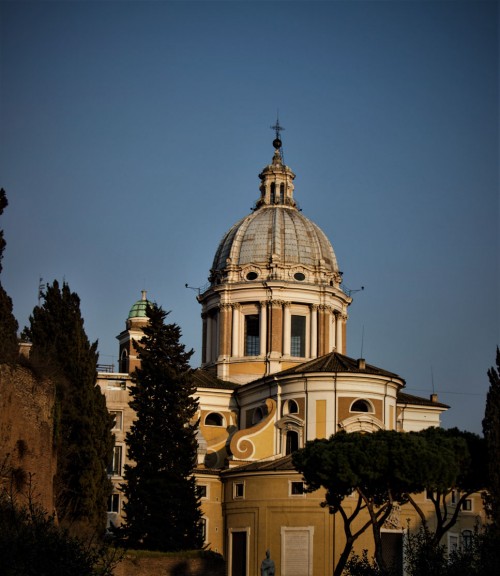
296 551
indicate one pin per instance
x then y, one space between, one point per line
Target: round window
252 276
299 276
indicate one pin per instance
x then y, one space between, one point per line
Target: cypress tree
491 431
162 507
8 324
84 441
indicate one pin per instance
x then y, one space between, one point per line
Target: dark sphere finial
277 143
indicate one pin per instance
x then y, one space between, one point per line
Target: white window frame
207 488
236 484
118 425
290 490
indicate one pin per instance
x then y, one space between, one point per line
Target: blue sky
132 135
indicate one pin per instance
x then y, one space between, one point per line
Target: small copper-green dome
138 310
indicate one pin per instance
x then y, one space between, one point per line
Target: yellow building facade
274 375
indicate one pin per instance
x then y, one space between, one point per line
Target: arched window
292 441
214 419
291 407
467 539
282 193
273 193
124 362
361 406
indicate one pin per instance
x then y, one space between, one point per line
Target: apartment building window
114 503
117 415
467 505
115 467
252 335
467 539
203 529
298 338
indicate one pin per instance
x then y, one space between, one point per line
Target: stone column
276 332
338 333
209 352
235 351
287 328
323 329
204 339
314 330
263 328
224 329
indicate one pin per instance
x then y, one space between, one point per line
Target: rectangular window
115 467
452 543
238 490
252 335
118 417
467 505
298 338
203 529
114 503
202 490
453 497
297 488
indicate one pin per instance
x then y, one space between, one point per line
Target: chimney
361 363
434 398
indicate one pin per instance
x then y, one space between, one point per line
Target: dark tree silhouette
162 507
83 439
9 348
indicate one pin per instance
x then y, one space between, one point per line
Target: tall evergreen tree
162 507
84 441
491 431
8 324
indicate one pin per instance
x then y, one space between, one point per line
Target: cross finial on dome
277 128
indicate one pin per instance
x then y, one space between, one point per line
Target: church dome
138 310
275 241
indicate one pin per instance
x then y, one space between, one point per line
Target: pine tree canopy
162 507
84 441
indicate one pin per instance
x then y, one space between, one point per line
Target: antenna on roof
193 288
349 292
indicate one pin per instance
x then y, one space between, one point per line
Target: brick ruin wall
26 433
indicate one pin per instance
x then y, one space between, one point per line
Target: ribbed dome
138 310
275 241
276 233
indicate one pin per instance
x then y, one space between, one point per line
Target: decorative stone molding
361 423
241 445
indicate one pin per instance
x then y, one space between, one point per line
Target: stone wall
26 433
133 565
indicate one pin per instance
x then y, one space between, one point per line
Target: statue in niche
267 566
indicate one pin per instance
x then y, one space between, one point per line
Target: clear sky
132 135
